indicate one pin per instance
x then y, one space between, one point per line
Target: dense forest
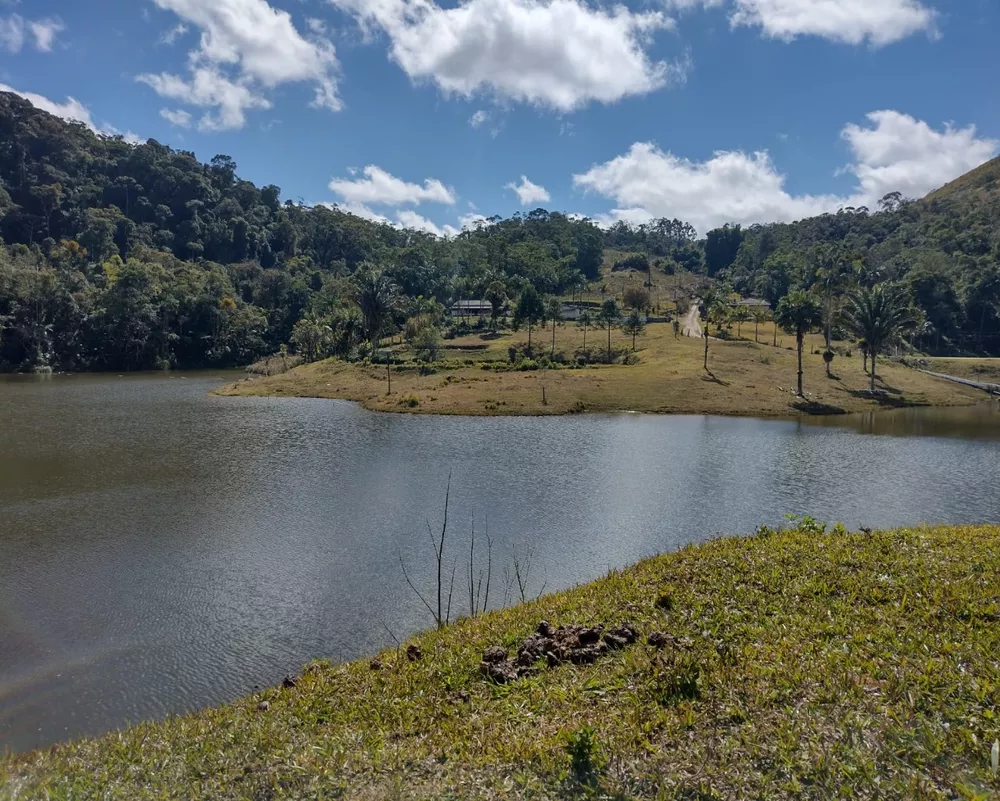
125 257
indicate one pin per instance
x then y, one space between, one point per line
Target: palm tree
741 315
881 316
799 313
585 322
378 298
553 310
609 315
714 308
760 315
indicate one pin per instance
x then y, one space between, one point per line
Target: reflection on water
981 422
161 550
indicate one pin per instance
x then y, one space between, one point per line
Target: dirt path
692 322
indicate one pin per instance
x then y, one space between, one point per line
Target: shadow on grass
817 408
713 378
889 398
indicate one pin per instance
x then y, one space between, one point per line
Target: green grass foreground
799 664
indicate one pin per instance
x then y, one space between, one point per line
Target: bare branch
389 632
451 589
417 592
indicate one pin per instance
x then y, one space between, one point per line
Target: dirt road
692 322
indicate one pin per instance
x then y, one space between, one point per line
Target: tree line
117 256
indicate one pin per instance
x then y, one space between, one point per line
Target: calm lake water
162 550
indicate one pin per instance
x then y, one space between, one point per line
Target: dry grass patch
747 378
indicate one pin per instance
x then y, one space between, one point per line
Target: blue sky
428 112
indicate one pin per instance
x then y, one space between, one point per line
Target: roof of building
472 304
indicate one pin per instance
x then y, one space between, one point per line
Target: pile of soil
578 645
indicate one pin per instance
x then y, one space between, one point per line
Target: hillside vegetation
126 257
786 665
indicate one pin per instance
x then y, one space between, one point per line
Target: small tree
634 325
881 316
636 298
609 316
585 321
799 313
741 315
530 310
426 343
310 338
553 311
496 294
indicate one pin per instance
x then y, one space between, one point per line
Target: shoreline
733 640
476 391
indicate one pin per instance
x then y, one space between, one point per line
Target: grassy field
794 664
979 369
746 378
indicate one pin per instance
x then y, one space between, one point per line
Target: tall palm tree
584 321
799 313
714 308
378 298
553 311
880 316
609 316
760 315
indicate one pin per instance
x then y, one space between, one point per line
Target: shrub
426 343
410 401
636 261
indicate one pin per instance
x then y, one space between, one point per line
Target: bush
410 401
527 365
637 261
426 343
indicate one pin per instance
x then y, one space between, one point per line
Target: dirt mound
578 645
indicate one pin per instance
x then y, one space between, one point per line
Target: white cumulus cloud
879 22
898 153
246 47
45 32
410 219
175 33
376 186
176 116
529 193
14 31
558 54
209 88
894 152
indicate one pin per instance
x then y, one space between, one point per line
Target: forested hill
122 257
943 249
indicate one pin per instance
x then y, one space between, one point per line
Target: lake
162 550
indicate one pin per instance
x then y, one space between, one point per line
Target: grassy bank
976 369
797 664
747 378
